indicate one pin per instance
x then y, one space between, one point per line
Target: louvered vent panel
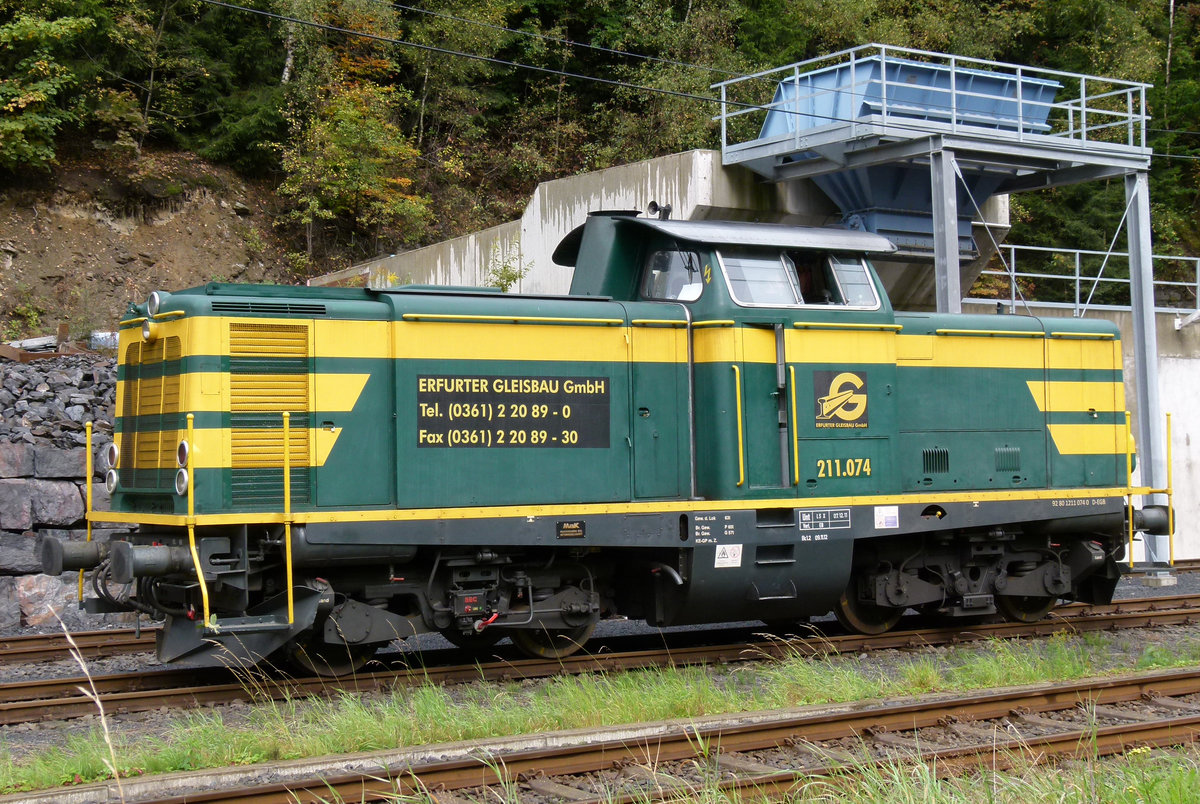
268 308
150 415
268 374
1008 459
936 460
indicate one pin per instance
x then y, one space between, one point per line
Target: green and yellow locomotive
722 421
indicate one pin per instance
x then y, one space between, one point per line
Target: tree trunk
1167 83
158 35
290 54
421 111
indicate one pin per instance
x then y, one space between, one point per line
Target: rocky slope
77 246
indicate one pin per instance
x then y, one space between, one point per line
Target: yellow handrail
133 322
1129 480
795 430
1170 496
658 322
516 319
87 434
737 379
1100 335
287 513
191 521
991 333
834 325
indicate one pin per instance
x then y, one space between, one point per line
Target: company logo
841 399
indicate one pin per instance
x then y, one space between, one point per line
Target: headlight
154 303
181 482
111 454
181 454
149 331
110 480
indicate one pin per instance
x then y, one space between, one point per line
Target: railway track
59 699
764 754
90 644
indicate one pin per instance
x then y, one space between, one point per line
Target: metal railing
858 85
1073 279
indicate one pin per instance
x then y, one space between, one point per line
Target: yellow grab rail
87 434
287 513
515 319
1170 496
1104 336
795 431
191 523
737 379
991 333
658 322
835 325
1129 480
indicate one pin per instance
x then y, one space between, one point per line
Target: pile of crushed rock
44 405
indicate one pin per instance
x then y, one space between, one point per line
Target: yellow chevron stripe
1088 439
1063 396
335 393
263 447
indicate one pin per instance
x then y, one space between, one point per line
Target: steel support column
1152 440
945 231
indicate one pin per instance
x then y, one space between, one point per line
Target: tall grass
405 717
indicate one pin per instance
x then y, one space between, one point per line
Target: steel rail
22 702
31 648
675 741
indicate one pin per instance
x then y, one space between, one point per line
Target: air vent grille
268 308
150 414
936 460
1008 459
268 375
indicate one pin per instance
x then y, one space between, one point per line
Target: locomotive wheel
551 643
862 617
474 642
322 659
1024 608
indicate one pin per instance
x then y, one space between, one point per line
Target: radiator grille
150 415
268 374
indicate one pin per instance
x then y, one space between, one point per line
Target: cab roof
738 233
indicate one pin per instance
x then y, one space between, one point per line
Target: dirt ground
76 248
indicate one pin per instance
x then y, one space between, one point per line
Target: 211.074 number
849 467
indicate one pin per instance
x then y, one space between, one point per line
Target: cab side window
836 279
857 289
672 275
813 276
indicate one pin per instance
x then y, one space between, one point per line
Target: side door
660 374
841 358
762 282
